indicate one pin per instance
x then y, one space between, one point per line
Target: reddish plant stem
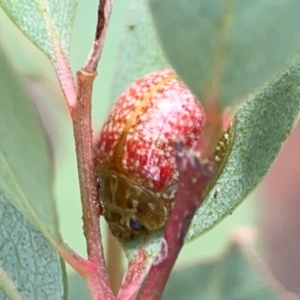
64 74
135 275
104 11
89 196
194 175
85 160
79 264
97 277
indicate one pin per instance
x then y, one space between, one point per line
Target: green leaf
26 175
47 23
78 289
263 123
231 277
32 267
227 48
139 52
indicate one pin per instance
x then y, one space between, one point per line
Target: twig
85 162
64 75
79 264
135 274
194 175
104 12
89 197
97 279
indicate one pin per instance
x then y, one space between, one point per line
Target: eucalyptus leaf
47 23
227 48
7 287
139 52
26 174
262 125
78 289
234 276
33 266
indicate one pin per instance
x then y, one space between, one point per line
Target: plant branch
65 77
135 275
97 279
194 174
104 12
85 162
79 99
78 263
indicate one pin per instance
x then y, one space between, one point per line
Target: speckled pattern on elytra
138 134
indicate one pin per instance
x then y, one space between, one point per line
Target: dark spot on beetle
135 224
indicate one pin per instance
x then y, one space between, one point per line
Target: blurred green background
43 84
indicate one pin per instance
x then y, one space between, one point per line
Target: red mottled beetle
135 157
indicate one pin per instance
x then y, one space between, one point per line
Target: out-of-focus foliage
227 48
231 277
